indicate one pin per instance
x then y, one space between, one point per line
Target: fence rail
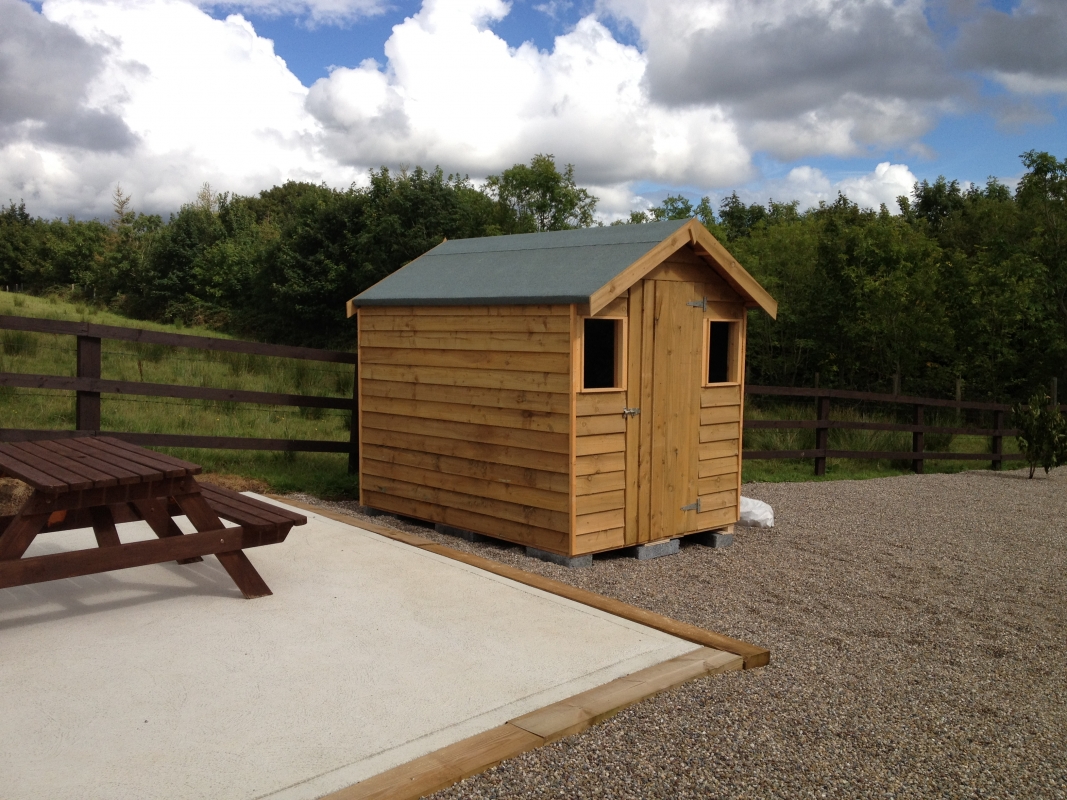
822 424
89 386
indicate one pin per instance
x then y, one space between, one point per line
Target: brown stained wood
503 473
723 311
598 404
509 493
618 307
601 521
83 449
27 453
714 415
676 269
83 463
605 443
170 466
600 482
576 379
183 440
604 501
107 534
727 447
474 377
241 571
117 459
442 768
741 432
19 534
594 426
545 402
466 359
717 466
715 433
485 506
645 419
599 541
154 512
517 532
636 271
725 395
471 450
12 466
717 483
472 415
604 462
470 340
712 520
468 311
247 511
720 499
467 322
728 268
633 424
491 434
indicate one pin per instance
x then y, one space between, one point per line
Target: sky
783 99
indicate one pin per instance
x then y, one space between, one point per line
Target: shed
573 391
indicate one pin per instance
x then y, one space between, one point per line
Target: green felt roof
529 268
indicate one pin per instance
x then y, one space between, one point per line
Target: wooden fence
822 424
88 386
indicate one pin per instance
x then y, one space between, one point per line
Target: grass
856 469
322 474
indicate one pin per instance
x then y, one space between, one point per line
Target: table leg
154 512
107 534
20 533
235 562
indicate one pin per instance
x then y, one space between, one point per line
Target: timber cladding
607 420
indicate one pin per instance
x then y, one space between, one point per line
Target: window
721 347
602 354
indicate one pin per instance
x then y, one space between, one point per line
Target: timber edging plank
182 440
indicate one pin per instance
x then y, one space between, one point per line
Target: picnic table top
58 466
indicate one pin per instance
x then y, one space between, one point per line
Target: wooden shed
573 391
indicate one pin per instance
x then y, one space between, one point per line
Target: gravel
918 633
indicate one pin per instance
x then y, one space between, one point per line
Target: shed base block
556 558
469 536
714 538
646 552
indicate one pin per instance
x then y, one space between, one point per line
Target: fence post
87 406
353 433
822 433
917 443
998 441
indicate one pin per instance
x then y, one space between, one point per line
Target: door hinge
630 412
693 506
702 303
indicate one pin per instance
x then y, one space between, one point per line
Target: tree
539 197
1042 432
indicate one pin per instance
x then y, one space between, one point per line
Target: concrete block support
469 536
556 558
646 552
714 538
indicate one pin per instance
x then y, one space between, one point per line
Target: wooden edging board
442 768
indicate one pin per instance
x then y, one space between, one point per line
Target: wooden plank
577 378
721 311
603 462
481 378
82 450
724 430
710 520
521 419
471 340
497 527
594 426
600 403
600 521
637 270
19 532
115 461
468 311
490 434
457 322
644 452
724 395
472 450
633 400
90 468
600 482
731 270
616 308
104 529
726 447
467 359
26 452
605 443
502 473
170 466
470 395
603 501
183 440
486 506
718 483
720 499
676 269
716 414
598 541
479 487
741 376
717 466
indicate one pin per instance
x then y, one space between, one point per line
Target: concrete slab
162 682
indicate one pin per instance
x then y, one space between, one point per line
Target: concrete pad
646 552
162 682
556 558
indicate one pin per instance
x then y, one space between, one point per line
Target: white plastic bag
756 513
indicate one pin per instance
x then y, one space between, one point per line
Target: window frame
733 357
621 323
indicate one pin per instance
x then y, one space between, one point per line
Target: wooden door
671 442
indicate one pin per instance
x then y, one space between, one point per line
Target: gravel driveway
918 631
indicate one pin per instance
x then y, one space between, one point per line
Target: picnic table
99 482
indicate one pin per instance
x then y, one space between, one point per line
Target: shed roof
586 265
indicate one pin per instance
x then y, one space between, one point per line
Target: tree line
963 283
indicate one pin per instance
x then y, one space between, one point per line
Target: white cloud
810 186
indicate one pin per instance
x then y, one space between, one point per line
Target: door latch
693 506
630 412
702 303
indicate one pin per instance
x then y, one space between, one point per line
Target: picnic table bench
100 482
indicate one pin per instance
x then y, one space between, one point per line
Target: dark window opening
599 357
719 353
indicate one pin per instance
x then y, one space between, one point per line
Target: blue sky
791 99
